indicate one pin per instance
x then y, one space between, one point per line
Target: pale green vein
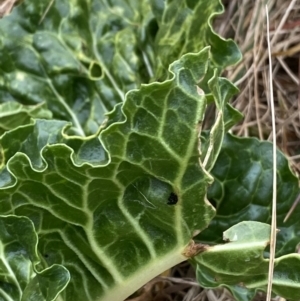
106 261
163 118
84 279
238 246
11 272
67 175
62 102
66 107
135 224
49 209
184 162
5 295
147 64
106 71
63 199
164 144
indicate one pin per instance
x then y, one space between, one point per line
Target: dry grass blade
46 11
245 27
6 7
292 208
274 217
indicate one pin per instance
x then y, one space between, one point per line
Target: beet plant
108 177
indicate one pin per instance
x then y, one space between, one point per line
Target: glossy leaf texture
242 190
240 266
115 209
81 58
21 276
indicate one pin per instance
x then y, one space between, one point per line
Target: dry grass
247 28
244 21
6 6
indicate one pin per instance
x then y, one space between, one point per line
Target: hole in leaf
172 199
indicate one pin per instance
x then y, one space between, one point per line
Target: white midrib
177 183
155 267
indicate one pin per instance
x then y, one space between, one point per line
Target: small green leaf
240 266
238 259
20 276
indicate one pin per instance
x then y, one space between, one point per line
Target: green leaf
134 205
13 114
242 190
73 56
20 277
127 199
82 58
240 266
182 30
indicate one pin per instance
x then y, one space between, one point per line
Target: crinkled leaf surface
20 276
182 30
13 114
79 57
82 57
240 266
130 207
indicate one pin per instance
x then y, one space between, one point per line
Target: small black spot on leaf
172 199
